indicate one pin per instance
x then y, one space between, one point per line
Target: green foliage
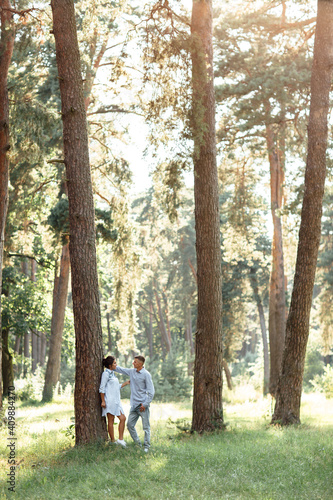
25 303
324 382
105 226
171 380
314 364
58 219
29 389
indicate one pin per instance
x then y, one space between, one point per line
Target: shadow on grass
264 462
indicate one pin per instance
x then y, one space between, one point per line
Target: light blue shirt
142 387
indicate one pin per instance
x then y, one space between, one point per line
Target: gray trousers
133 417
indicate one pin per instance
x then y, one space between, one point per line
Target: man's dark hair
140 358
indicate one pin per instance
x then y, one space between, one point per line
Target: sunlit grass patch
250 460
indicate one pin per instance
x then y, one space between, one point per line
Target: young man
142 393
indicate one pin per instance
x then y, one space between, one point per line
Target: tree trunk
34 334
277 299
227 374
189 338
161 323
89 424
33 351
289 391
52 374
166 309
6 51
17 344
208 380
7 364
255 289
42 352
150 331
109 332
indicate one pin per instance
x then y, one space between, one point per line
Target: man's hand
142 408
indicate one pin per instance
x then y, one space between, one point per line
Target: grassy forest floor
249 460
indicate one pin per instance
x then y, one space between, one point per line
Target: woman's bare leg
110 426
122 420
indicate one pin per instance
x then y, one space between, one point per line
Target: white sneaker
121 442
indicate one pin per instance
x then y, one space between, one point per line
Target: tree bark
6 51
34 333
289 391
7 364
109 332
277 299
255 289
189 338
150 331
89 424
52 374
42 349
161 323
208 379
227 374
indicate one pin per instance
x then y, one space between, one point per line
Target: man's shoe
121 442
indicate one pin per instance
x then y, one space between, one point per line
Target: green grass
249 460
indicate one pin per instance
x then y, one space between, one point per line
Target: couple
142 393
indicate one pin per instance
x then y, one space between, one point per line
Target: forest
166 190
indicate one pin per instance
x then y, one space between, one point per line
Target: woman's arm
103 400
125 383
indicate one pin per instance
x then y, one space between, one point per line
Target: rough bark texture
6 51
207 397
52 375
89 424
288 397
277 299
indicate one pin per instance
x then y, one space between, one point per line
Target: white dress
110 387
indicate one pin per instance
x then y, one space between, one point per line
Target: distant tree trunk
208 379
289 391
166 309
7 363
255 289
89 424
109 332
227 374
6 51
34 334
17 344
189 338
150 331
42 352
161 323
52 374
277 299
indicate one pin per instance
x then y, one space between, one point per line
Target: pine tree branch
113 109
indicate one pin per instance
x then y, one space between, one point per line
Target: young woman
110 395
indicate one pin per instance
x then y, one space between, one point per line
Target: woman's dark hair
108 361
